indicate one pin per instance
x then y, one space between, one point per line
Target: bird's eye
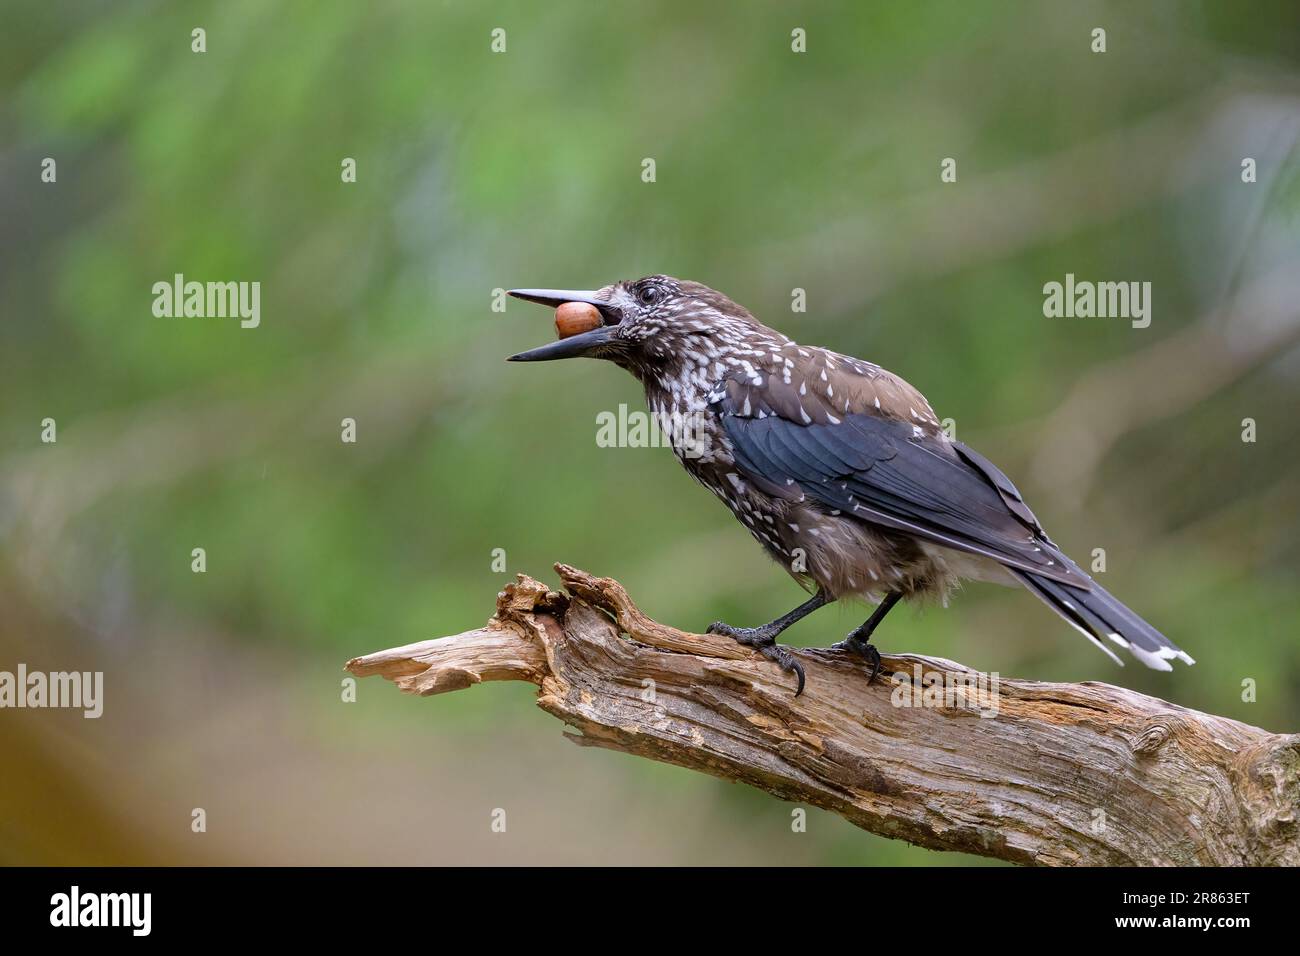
648 295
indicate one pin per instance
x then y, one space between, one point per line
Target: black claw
874 657
783 659
763 641
865 649
798 669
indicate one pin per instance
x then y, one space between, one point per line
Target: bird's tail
1100 617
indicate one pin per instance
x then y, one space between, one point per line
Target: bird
838 468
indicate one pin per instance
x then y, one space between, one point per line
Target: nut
573 318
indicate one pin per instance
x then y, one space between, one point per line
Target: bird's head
646 323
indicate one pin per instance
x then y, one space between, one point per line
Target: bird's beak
576 345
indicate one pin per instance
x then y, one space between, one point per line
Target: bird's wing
864 442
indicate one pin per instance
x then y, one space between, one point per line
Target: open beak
577 345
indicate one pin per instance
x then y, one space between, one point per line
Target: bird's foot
862 648
763 640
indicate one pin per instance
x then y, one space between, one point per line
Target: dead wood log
1034 773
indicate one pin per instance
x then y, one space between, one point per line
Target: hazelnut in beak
574 318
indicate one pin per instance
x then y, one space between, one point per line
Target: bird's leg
763 638
859 640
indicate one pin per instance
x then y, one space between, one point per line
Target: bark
1030 772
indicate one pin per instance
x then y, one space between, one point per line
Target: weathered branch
1053 774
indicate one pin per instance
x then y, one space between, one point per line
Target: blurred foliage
478 171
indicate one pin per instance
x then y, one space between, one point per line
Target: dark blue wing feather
879 470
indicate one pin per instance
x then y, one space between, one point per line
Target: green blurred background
481 170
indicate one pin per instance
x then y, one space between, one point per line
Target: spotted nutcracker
839 468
